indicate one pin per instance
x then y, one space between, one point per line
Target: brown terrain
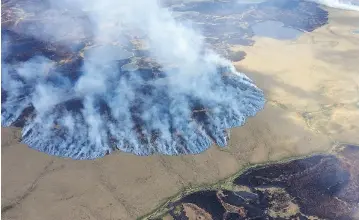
312 88
321 186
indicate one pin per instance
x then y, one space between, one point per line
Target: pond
275 30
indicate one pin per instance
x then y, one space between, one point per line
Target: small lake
275 30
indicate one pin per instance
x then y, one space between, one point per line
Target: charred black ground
320 186
192 128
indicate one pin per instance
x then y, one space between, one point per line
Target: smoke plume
91 89
352 5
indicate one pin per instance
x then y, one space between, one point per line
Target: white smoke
352 5
164 105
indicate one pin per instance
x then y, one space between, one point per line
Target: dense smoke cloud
195 96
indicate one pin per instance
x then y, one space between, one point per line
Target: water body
356 31
296 14
275 30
